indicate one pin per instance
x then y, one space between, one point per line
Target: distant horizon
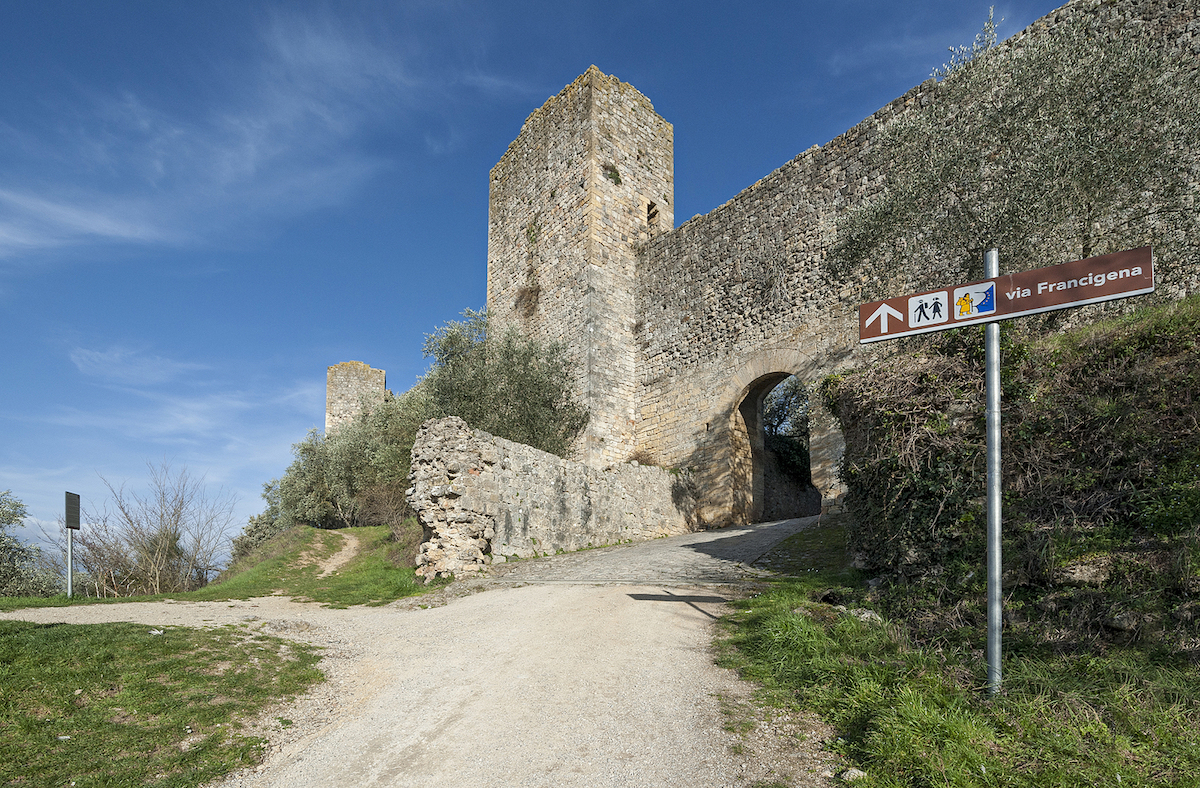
204 206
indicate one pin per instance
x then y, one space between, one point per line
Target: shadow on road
690 600
746 545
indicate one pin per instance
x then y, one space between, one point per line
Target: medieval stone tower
349 387
586 184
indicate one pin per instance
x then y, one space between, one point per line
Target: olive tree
1066 143
510 386
22 572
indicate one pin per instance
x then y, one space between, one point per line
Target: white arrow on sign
881 314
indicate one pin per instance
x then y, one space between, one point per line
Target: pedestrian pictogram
928 309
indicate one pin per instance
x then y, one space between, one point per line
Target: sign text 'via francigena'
1089 281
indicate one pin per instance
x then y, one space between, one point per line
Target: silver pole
70 559
991 270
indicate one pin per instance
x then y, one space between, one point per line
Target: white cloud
124 365
285 135
29 220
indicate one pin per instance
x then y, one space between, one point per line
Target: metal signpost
989 301
72 523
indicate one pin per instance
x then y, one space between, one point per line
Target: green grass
287 565
914 716
163 710
138 708
371 578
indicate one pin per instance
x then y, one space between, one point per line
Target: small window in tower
652 215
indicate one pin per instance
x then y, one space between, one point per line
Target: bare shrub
166 541
407 536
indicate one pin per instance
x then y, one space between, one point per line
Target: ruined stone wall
348 387
483 499
589 178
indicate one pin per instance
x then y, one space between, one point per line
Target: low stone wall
482 499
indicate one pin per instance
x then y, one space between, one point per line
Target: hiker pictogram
928 309
974 300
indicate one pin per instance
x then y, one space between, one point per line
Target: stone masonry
586 183
482 499
681 332
349 387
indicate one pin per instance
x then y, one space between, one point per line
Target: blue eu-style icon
974 300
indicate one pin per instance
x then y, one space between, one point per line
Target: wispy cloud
918 49
900 53
287 133
128 366
29 220
225 417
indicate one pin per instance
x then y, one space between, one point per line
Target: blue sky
205 204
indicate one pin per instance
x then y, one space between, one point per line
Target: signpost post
989 301
72 523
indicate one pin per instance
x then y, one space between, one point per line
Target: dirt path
350 545
553 677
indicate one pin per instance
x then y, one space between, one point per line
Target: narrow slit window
652 214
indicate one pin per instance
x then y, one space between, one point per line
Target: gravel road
587 669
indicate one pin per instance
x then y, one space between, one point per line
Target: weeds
1101 479
911 709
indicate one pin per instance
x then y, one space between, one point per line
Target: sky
205 204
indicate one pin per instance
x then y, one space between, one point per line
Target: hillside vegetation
510 386
1101 566
1101 469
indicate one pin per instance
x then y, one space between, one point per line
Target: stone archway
748 460
749 450
765 486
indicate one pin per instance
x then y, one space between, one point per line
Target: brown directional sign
1089 281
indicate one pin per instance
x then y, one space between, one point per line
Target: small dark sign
73 510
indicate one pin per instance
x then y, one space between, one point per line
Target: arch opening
771 473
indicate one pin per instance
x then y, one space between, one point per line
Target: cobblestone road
710 557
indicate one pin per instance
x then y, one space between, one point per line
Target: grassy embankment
287 565
117 705
1102 655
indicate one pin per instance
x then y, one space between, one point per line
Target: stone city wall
482 499
681 333
730 300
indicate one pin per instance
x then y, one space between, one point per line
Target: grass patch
819 552
287 565
114 705
916 715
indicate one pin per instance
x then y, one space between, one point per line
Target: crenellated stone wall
349 387
482 499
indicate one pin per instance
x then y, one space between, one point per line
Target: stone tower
588 180
349 387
